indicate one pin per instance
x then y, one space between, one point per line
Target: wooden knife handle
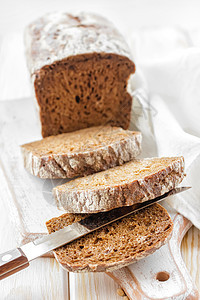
11 262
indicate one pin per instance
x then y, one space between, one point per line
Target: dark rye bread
133 182
116 245
80 65
82 152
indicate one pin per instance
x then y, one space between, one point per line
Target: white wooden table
45 279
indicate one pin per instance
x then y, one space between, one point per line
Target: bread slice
116 245
82 152
134 182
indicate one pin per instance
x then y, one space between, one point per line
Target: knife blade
14 260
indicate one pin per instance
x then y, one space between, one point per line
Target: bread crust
129 193
85 162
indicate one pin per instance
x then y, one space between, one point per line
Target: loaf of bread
82 152
80 66
116 245
133 182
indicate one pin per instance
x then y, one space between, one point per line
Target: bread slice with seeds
133 182
81 152
116 245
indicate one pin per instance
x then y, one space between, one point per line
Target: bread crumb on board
121 293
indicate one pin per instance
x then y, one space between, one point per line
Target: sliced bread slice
81 152
116 245
134 182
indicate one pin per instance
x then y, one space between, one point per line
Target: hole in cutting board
162 276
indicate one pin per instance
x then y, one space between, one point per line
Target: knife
17 259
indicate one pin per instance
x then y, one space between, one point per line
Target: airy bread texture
133 182
82 152
116 245
80 66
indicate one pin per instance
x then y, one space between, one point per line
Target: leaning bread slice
121 243
81 152
134 182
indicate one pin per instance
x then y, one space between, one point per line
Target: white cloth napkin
167 104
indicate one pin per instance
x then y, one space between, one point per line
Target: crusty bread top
121 175
79 141
67 35
116 245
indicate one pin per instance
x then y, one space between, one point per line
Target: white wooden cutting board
30 204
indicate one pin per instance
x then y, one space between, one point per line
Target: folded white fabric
172 140
168 105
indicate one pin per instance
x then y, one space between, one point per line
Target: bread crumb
125 298
120 292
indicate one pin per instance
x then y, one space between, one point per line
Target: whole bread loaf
80 66
133 182
116 245
82 152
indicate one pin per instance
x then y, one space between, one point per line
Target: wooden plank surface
191 253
